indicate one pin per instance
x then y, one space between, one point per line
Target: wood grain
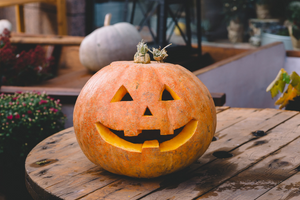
209 176
272 158
288 189
218 53
4 3
47 40
263 176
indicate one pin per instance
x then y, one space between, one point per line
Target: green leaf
286 78
281 86
274 91
295 79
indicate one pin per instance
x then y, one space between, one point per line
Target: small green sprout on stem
141 56
160 55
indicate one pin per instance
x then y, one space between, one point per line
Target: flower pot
268 38
295 42
235 31
263 11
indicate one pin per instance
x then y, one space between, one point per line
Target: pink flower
23 115
17 103
19 92
24 104
53 110
10 117
29 111
43 102
10 103
17 116
38 111
15 98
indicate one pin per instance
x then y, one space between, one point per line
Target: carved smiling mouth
148 138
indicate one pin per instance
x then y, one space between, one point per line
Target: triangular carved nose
147 112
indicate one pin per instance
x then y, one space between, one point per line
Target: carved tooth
150 144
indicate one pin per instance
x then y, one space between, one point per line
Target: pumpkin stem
107 19
141 56
160 55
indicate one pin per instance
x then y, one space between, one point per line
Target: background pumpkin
107 44
5 24
102 107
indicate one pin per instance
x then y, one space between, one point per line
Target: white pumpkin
5 24
107 44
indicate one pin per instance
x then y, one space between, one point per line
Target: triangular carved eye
122 95
147 112
168 94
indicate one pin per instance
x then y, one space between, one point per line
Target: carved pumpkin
144 120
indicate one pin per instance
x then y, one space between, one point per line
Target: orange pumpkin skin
99 109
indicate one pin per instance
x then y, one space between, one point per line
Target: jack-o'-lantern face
144 120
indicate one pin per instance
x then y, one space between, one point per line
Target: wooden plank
252 122
263 176
5 3
49 90
288 189
66 162
69 61
64 153
221 108
19 9
218 53
213 174
55 185
291 53
232 116
73 167
241 132
61 17
47 40
94 179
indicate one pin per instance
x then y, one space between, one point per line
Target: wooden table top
241 163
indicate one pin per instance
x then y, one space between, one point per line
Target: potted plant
277 33
290 97
22 67
236 15
263 9
293 17
26 119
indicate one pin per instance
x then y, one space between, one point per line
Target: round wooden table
241 163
